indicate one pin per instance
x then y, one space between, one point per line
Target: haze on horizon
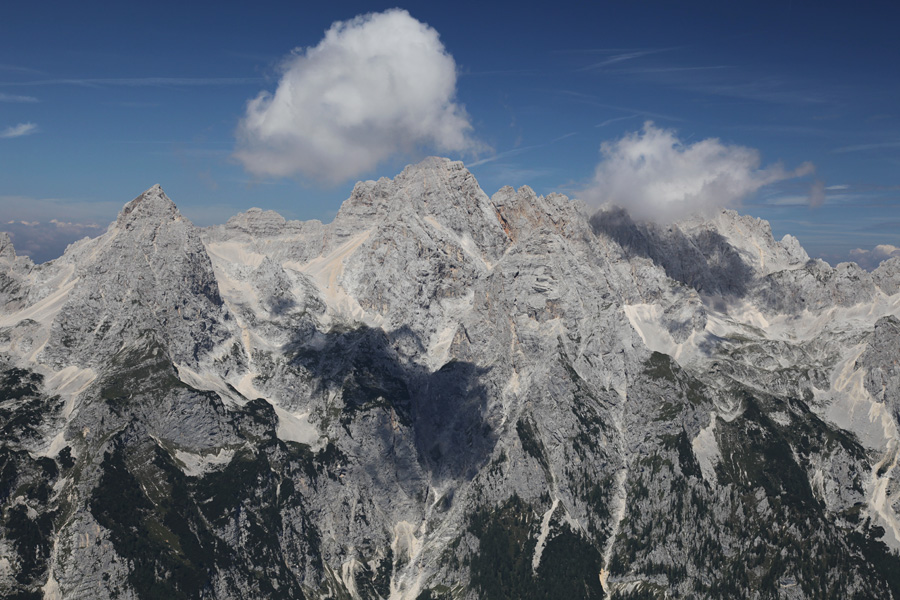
787 113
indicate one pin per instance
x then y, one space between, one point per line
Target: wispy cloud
593 50
18 130
814 198
515 175
615 59
594 101
505 154
134 104
786 130
14 98
865 147
18 69
520 150
817 194
795 200
563 136
137 81
469 73
880 226
770 91
618 57
616 120
652 70
730 81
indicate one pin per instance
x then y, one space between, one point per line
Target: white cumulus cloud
377 85
655 176
18 130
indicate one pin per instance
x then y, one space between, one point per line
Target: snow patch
706 449
780 417
440 342
246 388
513 387
235 252
464 241
849 405
405 543
56 445
542 538
295 427
646 319
439 346
196 465
326 272
43 311
348 576
621 499
818 484
208 383
291 427
69 383
51 588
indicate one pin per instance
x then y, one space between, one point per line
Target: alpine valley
445 395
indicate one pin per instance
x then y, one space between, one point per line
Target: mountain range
446 395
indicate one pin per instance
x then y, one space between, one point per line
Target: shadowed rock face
704 260
443 394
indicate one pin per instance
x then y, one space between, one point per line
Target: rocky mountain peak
432 165
257 222
428 187
887 275
7 251
8 257
435 176
437 194
151 206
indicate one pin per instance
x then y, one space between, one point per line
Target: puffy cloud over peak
377 85
655 176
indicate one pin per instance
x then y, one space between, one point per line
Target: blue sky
99 101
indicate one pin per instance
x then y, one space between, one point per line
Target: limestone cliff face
443 394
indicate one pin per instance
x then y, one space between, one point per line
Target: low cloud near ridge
43 241
870 259
657 177
376 86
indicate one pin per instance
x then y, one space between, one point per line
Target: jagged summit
152 206
7 251
432 165
9 259
256 221
432 182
